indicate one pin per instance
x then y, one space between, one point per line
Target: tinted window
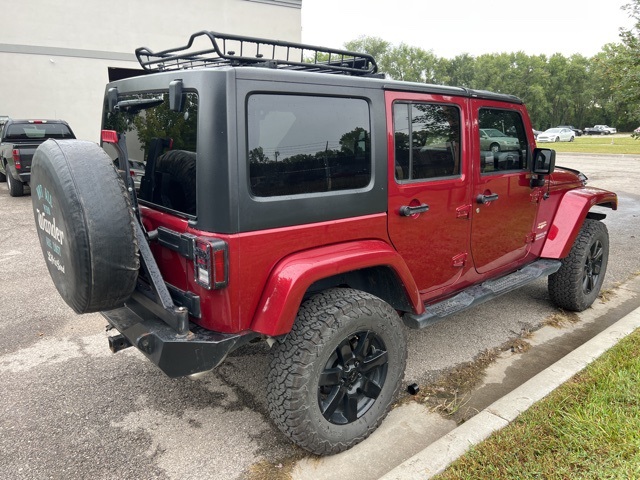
427 140
305 144
163 143
503 141
25 131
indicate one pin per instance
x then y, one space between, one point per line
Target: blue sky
471 26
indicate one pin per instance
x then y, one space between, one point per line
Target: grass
589 428
605 144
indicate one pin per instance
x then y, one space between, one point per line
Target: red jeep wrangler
311 204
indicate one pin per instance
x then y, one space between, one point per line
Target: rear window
38 131
162 143
301 144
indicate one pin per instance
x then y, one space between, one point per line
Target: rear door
428 211
504 204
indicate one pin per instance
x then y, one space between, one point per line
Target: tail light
211 263
16 158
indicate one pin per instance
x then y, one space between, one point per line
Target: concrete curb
436 457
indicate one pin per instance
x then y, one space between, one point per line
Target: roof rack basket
238 50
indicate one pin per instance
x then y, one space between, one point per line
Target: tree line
558 90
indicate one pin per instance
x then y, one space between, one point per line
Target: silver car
496 141
557 135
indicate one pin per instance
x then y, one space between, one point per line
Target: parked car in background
600 130
637 130
577 131
557 135
496 141
18 142
536 133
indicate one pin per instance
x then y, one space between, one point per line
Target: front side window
307 145
427 141
161 144
503 140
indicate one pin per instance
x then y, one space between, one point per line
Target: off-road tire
340 335
577 284
15 187
85 224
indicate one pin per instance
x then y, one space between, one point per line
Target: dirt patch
561 319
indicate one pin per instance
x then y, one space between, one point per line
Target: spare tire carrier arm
156 298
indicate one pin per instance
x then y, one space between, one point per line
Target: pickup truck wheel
85 224
333 378
577 284
16 188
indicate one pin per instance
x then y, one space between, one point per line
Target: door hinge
459 260
463 211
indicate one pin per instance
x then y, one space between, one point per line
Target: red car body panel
569 217
293 275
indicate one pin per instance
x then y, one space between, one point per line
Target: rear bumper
176 355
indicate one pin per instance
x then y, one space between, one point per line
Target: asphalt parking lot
71 409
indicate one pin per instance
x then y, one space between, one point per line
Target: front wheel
577 284
333 378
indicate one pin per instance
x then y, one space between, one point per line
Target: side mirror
544 161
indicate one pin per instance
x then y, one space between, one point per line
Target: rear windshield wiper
135 105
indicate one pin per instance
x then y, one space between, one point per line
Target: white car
556 135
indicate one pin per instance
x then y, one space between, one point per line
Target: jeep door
504 204
428 211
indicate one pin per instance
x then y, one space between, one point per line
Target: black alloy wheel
593 267
353 378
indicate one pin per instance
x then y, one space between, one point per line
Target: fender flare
573 209
292 276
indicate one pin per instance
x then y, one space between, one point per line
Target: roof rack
238 50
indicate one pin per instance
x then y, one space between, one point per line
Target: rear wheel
332 380
495 147
577 284
16 188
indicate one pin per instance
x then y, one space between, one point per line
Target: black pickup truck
19 140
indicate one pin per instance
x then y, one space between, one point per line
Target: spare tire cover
85 224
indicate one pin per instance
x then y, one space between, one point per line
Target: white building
56 57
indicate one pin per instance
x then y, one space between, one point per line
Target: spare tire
85 224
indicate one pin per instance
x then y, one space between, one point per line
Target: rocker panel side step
477 294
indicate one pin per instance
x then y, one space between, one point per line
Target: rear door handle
407 211
484 199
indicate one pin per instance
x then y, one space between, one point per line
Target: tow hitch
118 342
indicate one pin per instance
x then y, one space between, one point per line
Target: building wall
55 56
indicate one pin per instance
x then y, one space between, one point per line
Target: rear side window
162 143
427 141
307 145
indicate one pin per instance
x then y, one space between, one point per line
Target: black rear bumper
175 354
